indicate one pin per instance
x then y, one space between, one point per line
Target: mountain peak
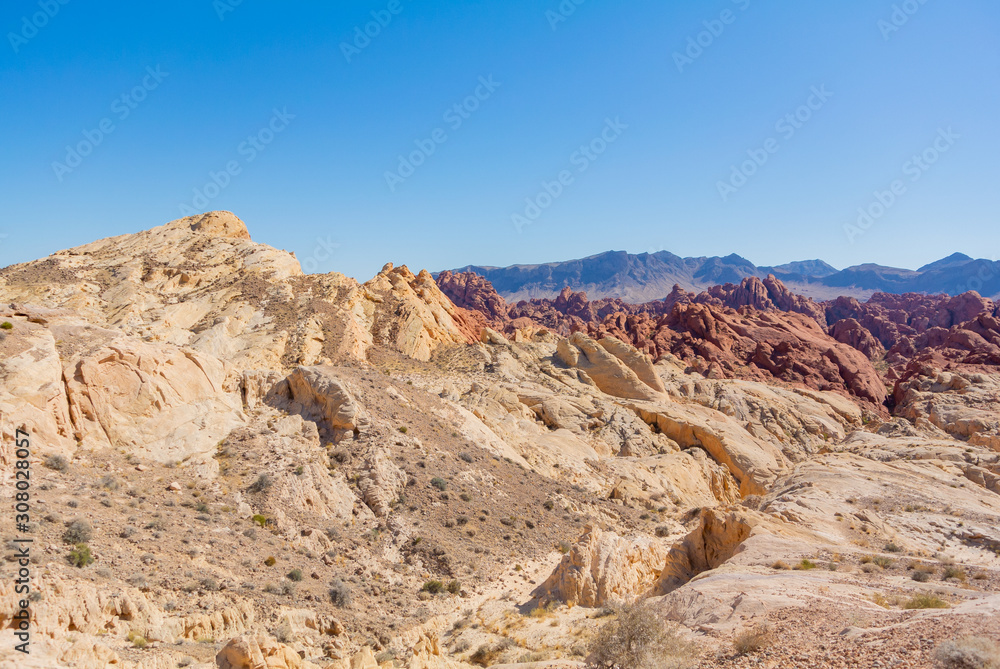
954 260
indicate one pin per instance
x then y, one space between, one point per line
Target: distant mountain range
651 276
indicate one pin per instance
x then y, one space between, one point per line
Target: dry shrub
488 654
638 639
753 640
968 653
926 601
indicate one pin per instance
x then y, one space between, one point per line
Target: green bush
7 325
294 575
80 556
454 587
259 519
433 587
439 483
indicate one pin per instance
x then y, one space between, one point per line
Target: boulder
604 568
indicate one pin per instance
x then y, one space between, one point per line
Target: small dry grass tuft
925 601
968 653
753 640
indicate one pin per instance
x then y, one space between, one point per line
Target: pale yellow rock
259 652
603 568
611 373
159 402
318 395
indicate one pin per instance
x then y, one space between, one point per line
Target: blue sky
302 131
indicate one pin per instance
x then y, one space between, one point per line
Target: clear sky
300 116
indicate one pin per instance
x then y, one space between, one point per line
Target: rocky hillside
235 465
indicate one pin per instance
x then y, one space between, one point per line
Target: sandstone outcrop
615 368
317 395
604 568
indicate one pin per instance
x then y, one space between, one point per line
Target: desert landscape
236 464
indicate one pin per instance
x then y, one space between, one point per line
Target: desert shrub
968 653
465 497
439 483
404 429
262 484
341 456
287 589
488 654
139 581
465 457
753 640
663 531
920 576
201 507
892 548
564 547
340 594
80 556
926 601
57 462
454 587
109 483
259 519
549 505
952 572
882 561
779 565
638 639
433 587
137 640
78 531
270 561
127 532
210 584
294 575
7 325
805 565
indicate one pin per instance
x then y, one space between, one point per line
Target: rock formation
237 465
